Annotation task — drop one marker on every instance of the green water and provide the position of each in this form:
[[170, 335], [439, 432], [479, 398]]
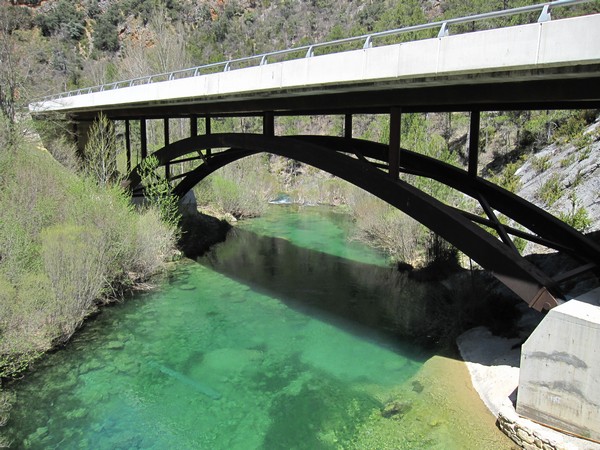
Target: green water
[[262, 344]]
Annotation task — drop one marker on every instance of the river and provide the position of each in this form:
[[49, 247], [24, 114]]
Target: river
[[270, 341]]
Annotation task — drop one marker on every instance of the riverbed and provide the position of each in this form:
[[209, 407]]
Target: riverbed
[[267, 342]]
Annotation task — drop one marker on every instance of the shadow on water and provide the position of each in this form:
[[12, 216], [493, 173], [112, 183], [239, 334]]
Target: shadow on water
[[340, 289]]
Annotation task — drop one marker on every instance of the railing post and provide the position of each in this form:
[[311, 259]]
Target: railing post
[[143, 138], [167, 140], [444, 31], [545, 15], [394, 148], [474, 143], [128, 145]]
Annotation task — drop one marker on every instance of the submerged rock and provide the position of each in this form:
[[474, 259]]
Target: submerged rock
[[396, 410]]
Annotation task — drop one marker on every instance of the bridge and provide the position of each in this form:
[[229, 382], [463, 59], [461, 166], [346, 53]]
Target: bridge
[[548, 64]]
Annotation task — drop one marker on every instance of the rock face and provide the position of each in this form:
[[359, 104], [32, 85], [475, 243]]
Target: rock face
[[563, 178]]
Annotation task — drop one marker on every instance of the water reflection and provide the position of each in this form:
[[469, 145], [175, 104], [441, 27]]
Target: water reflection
[[308, 280]]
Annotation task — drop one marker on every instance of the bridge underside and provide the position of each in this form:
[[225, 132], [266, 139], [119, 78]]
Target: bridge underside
[[375, 168]]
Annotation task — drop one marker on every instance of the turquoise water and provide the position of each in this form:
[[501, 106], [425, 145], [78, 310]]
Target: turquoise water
[[262, 344]]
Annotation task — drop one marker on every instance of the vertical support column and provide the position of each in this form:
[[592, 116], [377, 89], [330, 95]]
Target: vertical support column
[[269, 123], [128, 145], [394, 148], [208, 131], [474, 143], [167, 140], [81, 132], [193, 126], [143, 138], [348, 126]]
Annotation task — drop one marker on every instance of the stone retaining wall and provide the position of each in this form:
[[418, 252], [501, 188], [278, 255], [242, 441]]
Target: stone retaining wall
[[531, 436]]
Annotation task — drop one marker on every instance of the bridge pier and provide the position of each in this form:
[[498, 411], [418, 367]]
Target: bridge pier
[[82, 131], [559, 375]]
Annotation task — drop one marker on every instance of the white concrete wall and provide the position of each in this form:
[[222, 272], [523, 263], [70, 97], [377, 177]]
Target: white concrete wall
[[537, 46], [559, 379]]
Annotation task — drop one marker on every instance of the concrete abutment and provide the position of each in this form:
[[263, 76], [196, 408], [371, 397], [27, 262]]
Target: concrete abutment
[[559, 378]]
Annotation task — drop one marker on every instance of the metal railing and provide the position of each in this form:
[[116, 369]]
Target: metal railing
[[308, 51]]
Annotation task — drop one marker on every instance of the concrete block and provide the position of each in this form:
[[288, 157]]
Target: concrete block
[[560, 370]]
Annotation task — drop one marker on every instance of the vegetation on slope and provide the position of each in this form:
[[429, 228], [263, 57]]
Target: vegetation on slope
[[67, 244]]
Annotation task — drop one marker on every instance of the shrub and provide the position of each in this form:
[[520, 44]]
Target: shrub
[[578, 216], [541, 163], [242, 188], [387, 228], [154, 243], [100, 154], [76, 262], [508, 178], [158, 192], [64, 244], [551, 190], [63, 17], [6, 401]]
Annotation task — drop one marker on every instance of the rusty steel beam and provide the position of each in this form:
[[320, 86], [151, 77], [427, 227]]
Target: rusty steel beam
[[269, 123], [193, 126], [167, 138], [526, 280], [474, 142], [348, 126], [128, 145], [143, 138], [394, 146], [533, 218]]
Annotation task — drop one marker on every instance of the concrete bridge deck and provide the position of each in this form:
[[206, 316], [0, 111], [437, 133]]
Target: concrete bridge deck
[[554, 64]]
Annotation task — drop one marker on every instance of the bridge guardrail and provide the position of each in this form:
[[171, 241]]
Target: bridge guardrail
[[307, 51]]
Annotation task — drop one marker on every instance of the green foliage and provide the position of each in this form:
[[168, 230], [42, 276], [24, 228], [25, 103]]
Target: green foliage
[[571, 129], [551, 190], [541, 163], [578, 217], [65, 244], [100, 154], [241, 189], [567, 161], [76, 261], [6, 401], [158, 192], [63, 18], [106, 33], [508, 178], [387, 228]]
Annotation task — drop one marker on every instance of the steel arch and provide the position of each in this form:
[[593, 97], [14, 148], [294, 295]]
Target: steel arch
[[346, 158]]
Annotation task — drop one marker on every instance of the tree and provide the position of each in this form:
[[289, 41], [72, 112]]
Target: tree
[[10, 75], [158, 192], [100, 154]]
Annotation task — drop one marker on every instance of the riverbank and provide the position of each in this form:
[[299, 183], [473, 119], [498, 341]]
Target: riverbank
[[493, 365]]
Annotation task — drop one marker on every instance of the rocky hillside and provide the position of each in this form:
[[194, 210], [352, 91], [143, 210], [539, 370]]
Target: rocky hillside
[[564, 178]]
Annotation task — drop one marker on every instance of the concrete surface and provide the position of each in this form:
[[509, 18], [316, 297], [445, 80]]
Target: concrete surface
[[525, 51], [559, 380], [493, 363]]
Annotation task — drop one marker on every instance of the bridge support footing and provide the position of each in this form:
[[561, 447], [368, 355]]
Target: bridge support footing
[[560, 369]]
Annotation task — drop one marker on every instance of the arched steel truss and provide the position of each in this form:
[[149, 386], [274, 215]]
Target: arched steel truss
[[361, 162]]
